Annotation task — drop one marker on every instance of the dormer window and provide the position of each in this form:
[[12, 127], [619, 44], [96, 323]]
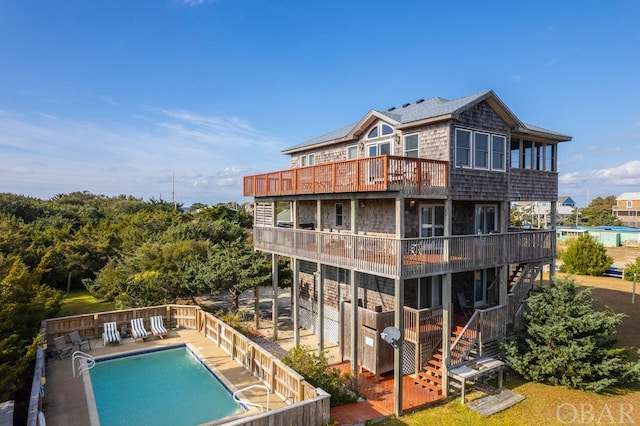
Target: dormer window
[[380, 130]]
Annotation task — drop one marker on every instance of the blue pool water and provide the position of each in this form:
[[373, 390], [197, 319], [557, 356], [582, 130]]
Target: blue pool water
[[167, 387]]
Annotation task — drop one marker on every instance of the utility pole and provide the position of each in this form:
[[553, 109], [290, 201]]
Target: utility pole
[[173, 190]]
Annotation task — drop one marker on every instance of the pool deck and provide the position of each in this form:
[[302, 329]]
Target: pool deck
[[65, 403]]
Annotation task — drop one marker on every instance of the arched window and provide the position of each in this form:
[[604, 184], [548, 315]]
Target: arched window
[[379, 130]]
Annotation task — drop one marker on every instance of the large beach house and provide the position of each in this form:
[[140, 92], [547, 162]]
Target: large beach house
[[402, 219]]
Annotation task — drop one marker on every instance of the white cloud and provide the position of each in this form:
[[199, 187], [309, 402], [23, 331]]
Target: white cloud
[[205, 156], [602, 182]]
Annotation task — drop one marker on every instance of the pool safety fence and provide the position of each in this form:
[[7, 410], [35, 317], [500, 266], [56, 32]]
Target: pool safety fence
[[306, 402]]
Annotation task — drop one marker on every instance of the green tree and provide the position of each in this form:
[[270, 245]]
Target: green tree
[[599, 212], [25, 303], [567, 342], [585, 256], [237, 267]]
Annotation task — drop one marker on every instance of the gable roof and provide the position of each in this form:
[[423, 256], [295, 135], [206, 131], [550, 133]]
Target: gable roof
[[424, 112], [632, 196]]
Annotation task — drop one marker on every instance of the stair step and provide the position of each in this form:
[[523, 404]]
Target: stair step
[[438, 356], [434, 387], [433, 371], [429, 378], [435, 363]]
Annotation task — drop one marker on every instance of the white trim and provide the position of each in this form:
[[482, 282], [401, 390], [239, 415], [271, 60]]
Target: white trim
[[503, 167], [340, 215], [347, 151], [377, 145], [487, 151], [379, 126], [469, 165], [404, 143]]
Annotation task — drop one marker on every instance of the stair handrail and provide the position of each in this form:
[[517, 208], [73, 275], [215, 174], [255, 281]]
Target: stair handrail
[[253, 404], [88, 365], [473, 321]]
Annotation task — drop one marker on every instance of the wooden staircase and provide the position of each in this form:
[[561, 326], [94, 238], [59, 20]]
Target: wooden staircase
[[431, 374], [516, 272]]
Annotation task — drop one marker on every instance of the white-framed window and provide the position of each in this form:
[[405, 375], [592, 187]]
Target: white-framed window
[[498, 150], [380, 148], [431, 221], [339, 215], [463, 148], [380, 130], [307, 160], [352, 152], [411, 145], [629, 204], [481, 150]]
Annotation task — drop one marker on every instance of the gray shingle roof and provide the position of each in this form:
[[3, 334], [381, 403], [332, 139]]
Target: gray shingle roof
[[430, 108]]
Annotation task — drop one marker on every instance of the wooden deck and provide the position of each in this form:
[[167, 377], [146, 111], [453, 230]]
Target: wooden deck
[[410, 175], [380, 393]]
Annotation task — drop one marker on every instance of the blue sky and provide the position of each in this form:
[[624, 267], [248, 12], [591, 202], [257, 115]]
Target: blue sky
[[131, 97]]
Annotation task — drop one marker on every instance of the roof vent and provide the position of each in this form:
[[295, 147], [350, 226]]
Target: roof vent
[[405, 105], [391, 109], [419, 101]]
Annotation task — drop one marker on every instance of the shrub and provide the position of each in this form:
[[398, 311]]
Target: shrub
[[586, 256], [233, 320], [314, 368], [567, 342], [632, 268]]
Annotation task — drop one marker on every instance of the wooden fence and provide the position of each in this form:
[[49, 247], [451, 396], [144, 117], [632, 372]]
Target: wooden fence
[[308, 404]]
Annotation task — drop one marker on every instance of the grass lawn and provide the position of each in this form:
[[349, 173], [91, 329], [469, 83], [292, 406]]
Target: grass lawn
[[554, 405], [79, 302]]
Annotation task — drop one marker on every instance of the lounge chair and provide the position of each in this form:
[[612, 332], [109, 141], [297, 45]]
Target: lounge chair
[[465, 307], [77, 340], [137, 329], [62, 348], [157, 328], [111, 333]]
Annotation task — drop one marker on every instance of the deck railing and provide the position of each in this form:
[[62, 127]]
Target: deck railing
[[518, 293], [410, 175], [492, 323], [310, 403], [407, 257]]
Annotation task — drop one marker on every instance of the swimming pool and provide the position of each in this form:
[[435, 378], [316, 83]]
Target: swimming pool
[[161, 387]]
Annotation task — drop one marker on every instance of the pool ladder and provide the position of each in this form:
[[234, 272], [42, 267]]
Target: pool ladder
[[82, 366], [253, 404]]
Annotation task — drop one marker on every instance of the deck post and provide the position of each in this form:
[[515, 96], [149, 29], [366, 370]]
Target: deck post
[[296, 301], [318, 277], [397, 350], [446, 331], [274, 301], [354, 325]]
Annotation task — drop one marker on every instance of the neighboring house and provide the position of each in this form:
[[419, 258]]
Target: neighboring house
[[538, 213], [627, 209], [406, 217]]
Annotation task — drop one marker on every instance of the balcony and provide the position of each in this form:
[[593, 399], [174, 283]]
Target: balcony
[[406, 257], [413, 176]]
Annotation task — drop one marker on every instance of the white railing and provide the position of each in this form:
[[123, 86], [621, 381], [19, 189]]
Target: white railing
[[82, 367], [252, 404]]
